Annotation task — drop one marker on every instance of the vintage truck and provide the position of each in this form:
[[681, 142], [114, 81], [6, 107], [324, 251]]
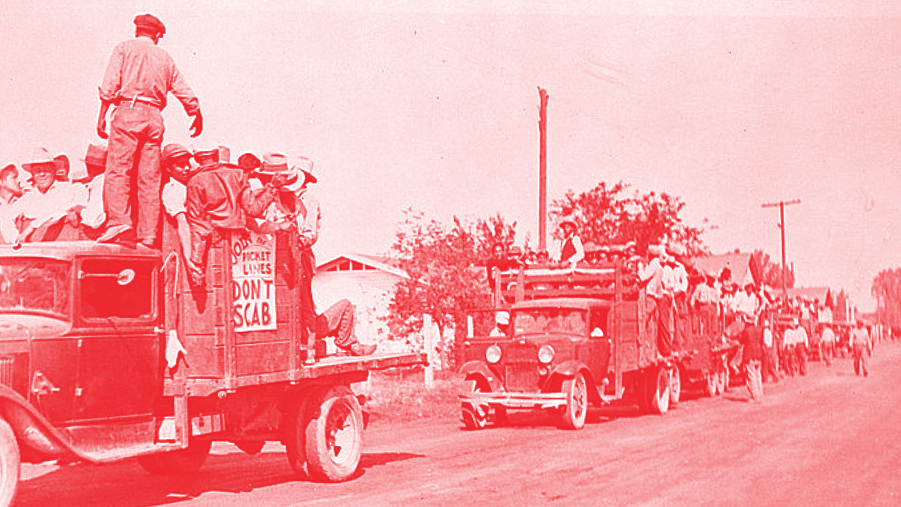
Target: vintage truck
[[107, 352], [578, 337]]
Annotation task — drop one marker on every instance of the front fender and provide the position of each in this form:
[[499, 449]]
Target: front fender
[[38, 439], [569, 368], [476, 370]]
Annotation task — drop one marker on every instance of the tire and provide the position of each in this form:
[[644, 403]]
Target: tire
[[474, 417], [10, 463], [710, 384], [295, 433], [658, 391], [181, 462], [334, 435], [675, 386], [576, 391]]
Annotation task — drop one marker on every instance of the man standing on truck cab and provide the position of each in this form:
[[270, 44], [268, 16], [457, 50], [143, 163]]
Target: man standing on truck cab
[[138, 79]]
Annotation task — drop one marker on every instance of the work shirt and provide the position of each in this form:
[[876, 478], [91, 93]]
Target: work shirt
[[219, 196], [653, 275], [173, 196], [860, 338], [827, 336], [308, 219], [51, 205], [675, 278], [705, 294], [140, 68], [572, 250]]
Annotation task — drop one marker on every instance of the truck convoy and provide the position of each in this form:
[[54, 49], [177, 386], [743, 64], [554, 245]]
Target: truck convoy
[[578, 337], [107, 352]]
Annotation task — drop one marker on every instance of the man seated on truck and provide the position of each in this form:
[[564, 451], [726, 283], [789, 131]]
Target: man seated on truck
[[177, 167], [219, 197], [650, 276]]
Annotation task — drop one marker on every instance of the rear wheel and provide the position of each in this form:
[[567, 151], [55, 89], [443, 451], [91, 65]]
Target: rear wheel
[[334, 435], [710, 386], [181, 462], [295, 433], [576, 391], [9, 464], [675, 386], [658, 383]]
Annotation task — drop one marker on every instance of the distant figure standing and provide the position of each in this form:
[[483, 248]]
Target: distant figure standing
[[862, 347], [137, 81], [571, 250], [752, 356]]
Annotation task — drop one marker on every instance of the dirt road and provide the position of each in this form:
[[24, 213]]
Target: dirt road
[[830, 438]]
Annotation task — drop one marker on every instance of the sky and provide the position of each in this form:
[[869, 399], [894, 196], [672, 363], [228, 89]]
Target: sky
[[433, 105]]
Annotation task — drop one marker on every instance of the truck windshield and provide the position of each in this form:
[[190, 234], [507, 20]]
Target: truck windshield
[[549, 320], [29, 285]]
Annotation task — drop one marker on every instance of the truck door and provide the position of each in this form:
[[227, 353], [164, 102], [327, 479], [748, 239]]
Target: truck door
[[120, 355], [600, 341]]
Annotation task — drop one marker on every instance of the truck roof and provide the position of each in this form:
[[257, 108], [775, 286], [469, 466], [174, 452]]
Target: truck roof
[[581, 303], [68, 250]]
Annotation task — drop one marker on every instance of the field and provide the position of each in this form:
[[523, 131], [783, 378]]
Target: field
[[401, 395]]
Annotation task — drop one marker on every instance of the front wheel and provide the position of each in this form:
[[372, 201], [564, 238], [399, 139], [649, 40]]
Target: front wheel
[[9, 464], [334, 435], [181, 462], [576, 391], [475, 416]]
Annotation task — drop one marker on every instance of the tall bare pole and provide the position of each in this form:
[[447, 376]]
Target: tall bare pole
[[542, 171], [782, 205]]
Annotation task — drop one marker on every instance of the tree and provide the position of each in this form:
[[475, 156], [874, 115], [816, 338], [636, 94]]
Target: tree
[[611, 215], [767, 272], [886, 289], [444, 278], [495, 230]]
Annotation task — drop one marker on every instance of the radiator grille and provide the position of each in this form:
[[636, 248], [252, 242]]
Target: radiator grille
[[6, 371]]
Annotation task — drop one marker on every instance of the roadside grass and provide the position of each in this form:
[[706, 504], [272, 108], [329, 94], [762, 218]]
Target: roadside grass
[[401, 395]]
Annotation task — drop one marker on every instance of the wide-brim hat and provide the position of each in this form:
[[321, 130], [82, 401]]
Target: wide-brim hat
[[502, 318], [274, 163], [568, 222], [304, 171], [41, 159]]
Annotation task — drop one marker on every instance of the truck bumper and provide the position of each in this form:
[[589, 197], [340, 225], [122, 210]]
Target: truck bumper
[[515, 400]]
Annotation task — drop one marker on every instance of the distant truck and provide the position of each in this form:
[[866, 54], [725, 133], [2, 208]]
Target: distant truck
[[107, 352], [577, 337]]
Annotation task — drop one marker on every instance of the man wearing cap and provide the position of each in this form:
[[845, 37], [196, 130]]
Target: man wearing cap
[[62, 167], [571, 249], [10, 192], [40, 212], [501, 325], [177, 165], [137, 81], [92, 216], [219, 197]]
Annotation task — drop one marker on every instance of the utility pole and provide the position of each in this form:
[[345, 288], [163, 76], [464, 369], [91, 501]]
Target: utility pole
[[782, 205], [542, 171]]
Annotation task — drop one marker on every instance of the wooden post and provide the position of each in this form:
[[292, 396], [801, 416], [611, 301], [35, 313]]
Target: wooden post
[[428, 342], [542, 171]]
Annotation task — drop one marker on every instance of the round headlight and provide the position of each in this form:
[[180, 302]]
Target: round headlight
[[493, 354], [546, 354]]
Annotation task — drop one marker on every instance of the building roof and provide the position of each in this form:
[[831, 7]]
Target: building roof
[[361, 262]]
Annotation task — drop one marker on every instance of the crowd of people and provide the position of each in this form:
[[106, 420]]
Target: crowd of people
[[116, 196]]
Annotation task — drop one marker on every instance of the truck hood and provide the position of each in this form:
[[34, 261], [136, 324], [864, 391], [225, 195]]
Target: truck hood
[[19, 326]]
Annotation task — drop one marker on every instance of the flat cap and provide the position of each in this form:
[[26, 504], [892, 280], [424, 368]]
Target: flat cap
[[175, 150], [150, 22]]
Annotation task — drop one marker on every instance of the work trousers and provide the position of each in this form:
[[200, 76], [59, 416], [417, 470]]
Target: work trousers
[[771, 363], [827, 352], [337, 321], [789, 360], [801, 358], [136, 133], [664, 324], [753, 380], [861, 360]]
